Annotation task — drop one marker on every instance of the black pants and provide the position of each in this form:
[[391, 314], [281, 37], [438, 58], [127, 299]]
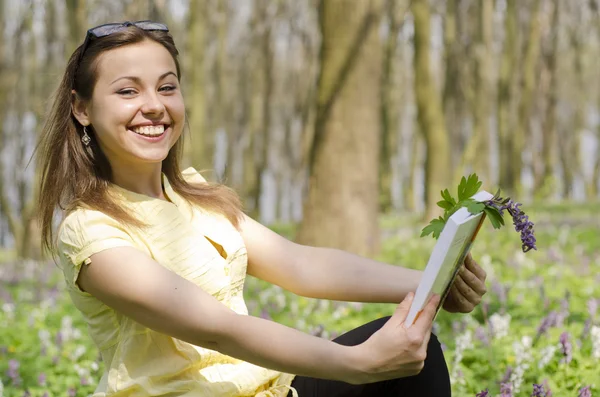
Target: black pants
[[432, 381]]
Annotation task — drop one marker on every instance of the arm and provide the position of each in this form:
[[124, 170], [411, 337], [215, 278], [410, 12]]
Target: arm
[[323, 273], [132, 283]]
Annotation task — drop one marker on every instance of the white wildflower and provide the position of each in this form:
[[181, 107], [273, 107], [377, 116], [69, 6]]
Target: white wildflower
[[500, 325], [44, 335], [66, 328], [81, 372], [94, 366], [463, 342], [523, 357], [79, 351], [595, 334], [1, 388], [76, 333], [546, 355]]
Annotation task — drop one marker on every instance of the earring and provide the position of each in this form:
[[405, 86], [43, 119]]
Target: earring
[[85, 138]]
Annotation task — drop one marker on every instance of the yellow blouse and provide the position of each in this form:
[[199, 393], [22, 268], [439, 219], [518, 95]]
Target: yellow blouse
[[201, 246]]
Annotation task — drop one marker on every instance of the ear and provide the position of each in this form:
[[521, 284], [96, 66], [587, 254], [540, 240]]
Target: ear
[[79, 109]]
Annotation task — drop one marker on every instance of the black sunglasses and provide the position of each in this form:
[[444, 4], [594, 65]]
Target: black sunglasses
[[110, 28]]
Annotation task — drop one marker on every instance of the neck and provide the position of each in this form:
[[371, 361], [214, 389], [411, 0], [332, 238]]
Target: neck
[[144, 179]]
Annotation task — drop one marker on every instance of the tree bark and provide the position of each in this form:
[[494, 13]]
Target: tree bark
[[544, 180], [430, 114], [341, 209], [390, 105], [477, 151], [506, 89], [529, 80], [77, 21], [199, 153]]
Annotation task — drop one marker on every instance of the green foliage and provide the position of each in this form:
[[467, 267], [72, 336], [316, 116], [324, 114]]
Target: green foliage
[[466, 189], [525, 287]]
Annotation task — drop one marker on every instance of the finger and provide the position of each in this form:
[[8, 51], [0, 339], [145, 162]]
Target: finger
[[404, 307], [466, 291], [474, 268], [425, 320], [474, 282]]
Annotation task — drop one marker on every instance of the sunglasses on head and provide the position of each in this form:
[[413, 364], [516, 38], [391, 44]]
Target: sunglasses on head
[[110, 28]]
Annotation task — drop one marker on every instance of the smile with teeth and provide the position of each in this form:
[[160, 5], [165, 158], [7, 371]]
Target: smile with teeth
[[149, 130]]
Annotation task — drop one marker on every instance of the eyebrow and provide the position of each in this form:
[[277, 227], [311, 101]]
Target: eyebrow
[[138, 80]]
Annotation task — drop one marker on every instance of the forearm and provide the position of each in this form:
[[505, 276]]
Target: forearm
[[275, 346], [339, 275]]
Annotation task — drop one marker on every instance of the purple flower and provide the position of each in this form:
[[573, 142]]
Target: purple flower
[[483, 393], [42, 379], [521, 221], [13, 372], [585, 391], [538, 391], [506, 390], [72, 392], [566, 348]]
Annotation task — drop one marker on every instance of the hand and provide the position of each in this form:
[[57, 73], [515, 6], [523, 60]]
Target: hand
[[395, 351], [468, 288]]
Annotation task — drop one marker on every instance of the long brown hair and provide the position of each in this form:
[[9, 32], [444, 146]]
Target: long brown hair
[[74, 176]]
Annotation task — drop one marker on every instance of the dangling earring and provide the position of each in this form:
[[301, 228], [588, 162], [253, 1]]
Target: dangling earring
[[85, 138]]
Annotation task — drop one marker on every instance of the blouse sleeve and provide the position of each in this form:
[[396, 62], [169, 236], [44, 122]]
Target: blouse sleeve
[[84, 233]]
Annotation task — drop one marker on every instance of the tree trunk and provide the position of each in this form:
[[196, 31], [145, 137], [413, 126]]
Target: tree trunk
[[430, 114], [199, 155], [523, 128], [544, 180], [506, 89], [477, 151], [390, 105], [77, 20], [454, 95], [341, 209]]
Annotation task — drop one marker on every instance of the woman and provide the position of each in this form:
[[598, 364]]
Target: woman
[[155, 258]]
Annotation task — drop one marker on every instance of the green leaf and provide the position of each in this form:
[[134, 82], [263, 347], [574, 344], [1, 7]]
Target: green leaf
[[475, 207], [448, 197], [468, 187], [494, 217], [445, 205], [435, 226]]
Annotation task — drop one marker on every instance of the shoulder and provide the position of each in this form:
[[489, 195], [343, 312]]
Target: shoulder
[[86, 231]]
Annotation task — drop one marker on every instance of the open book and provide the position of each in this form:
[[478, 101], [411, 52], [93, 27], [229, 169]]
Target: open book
[[449, 252]]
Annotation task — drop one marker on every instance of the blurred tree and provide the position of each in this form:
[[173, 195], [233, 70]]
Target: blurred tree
[[456, 72], [506, 93], [261, 91], [570, 135], [430, 114], [477, 151], [390, 102], [522, 133], [198, 149], [77, 23], [544, 182], [342, 204]]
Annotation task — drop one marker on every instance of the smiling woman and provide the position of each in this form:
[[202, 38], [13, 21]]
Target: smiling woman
[[155, 258]]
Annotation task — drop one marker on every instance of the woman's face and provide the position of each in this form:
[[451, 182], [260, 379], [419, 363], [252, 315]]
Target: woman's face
[[136, 110]]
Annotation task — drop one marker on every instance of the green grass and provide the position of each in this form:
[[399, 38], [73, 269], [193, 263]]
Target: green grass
[[562, 276]]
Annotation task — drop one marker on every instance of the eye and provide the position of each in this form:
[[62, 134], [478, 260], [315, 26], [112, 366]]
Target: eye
[[127, 91], [168, 88]]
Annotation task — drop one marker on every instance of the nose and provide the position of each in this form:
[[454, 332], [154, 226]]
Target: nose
[[152, 104]]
